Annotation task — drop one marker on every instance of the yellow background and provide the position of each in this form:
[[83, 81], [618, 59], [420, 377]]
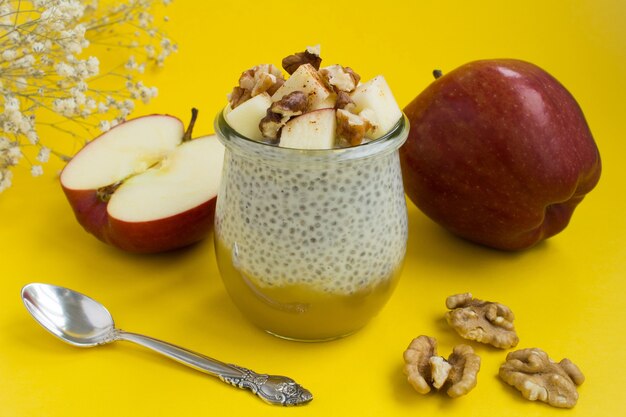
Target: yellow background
[[568, 294]]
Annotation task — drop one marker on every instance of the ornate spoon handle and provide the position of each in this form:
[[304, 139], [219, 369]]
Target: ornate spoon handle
[[273, 389]]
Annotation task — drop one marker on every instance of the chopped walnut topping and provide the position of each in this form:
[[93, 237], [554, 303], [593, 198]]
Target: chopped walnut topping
[[310, 56], [279, 113], [314, 49], [425, 370], [482, 321], [340, 78], [351, 127], [293, 104], [344, 101], [271, 124], [238, 96], [538, 377], [257, 80]]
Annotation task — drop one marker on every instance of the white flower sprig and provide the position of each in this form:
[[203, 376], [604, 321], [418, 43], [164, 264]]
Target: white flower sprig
[[44, 69]]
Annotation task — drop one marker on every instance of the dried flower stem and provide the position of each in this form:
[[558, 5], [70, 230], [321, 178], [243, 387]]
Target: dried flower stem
[[48, 80]]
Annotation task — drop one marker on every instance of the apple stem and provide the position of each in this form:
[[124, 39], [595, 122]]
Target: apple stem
[[192, 122], [104, 193], [437, 73]]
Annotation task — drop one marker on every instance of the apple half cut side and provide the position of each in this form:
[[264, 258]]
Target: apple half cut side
[[145, 186]]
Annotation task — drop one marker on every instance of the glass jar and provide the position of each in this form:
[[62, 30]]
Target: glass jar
[[310, 243]]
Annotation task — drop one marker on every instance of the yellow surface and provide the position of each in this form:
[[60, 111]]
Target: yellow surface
[[568, 294]]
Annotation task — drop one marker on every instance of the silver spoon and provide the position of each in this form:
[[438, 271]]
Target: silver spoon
[[82, 321]]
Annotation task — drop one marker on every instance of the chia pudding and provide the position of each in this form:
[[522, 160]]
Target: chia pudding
[[310, 244], [311, 223]]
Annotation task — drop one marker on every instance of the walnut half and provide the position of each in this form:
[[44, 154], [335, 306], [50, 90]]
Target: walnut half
[[482, 321], [425, 369], [538, 377]]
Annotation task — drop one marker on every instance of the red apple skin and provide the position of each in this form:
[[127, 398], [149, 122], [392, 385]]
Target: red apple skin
[[154, 236], [499, 153]]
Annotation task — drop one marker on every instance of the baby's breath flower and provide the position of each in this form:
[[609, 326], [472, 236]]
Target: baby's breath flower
[[11, 104], [93, 65], [44, 155], [36, 170], [21, 83], [104, 125], [25, 61], [32, 137], [65, 70], [38, 47], [5, 179], [9, 54]]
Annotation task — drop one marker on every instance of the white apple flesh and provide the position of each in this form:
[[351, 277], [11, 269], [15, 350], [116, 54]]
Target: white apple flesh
[[140, 187], [374, 101], [312, 130], [245, 118], [309, 81]]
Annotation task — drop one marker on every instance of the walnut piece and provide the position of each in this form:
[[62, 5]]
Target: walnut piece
[[293, 104], [340, 78], [537, 377], [425, 369], [310, 56], [271, 124], [351, 127], [259, 79], [279, 113], [482, 321], [344, 101]]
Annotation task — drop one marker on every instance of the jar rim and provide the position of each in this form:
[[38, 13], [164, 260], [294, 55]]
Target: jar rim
[[389, 142]]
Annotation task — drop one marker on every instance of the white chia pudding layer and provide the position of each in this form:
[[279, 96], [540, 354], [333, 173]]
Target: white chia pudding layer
[[339, 227]]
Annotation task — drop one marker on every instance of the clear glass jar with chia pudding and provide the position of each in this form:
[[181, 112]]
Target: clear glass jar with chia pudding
[[310, 243]]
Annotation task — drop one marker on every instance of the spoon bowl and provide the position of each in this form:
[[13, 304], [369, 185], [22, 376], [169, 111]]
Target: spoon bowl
[[72, 317], [82, 321]]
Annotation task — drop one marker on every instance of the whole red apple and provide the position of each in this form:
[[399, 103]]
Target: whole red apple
[[145, 186], [499, 153]]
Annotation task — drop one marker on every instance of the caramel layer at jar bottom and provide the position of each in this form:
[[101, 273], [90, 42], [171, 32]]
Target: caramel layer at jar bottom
[[298, 311]]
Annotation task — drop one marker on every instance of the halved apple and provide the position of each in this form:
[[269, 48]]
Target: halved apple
[[145, 186]]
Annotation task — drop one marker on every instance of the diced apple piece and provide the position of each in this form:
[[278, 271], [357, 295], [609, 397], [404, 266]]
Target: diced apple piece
[[327, 103], [313, 130], [375, 100], [245, 118], [308, 80]]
